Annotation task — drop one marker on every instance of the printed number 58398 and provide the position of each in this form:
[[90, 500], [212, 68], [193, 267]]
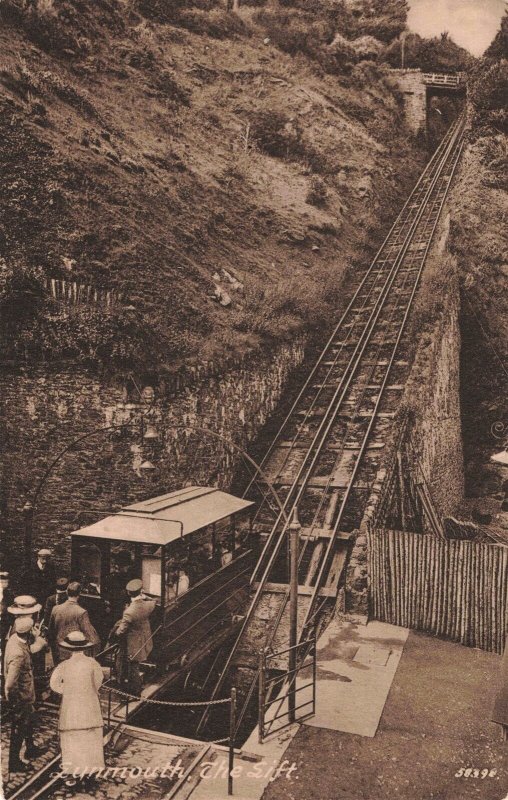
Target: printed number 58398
[[470, 772]]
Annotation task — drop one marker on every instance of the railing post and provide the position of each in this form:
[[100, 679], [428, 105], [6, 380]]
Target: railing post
[[314, 670], [294, 531], [109, 708], [262, 693], [232, 732]]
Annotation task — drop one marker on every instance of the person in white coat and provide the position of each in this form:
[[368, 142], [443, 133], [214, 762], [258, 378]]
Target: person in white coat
[[78, 680]]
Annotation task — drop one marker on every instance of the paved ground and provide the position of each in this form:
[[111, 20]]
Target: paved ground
[[435, 723]]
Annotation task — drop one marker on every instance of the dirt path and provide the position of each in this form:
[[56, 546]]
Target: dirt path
[[435, 722]]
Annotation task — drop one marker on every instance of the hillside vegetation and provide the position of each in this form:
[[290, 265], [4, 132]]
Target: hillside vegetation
[[219, 173], [480, 244]]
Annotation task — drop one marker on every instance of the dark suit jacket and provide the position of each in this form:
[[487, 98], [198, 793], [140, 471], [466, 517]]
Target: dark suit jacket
[[41, 583], [67, 617]]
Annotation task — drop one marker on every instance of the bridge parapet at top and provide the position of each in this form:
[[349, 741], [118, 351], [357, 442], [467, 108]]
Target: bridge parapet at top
[[446, 80], [442, 79]]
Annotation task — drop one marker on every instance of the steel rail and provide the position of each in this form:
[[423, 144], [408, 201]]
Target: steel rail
[[406, 207], [343, 385], [454, 152], [428, 180], [357, 320], [346, 376], [394, 311]]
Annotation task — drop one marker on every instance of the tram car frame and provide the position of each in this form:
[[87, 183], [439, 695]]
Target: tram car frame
[[198, 537]]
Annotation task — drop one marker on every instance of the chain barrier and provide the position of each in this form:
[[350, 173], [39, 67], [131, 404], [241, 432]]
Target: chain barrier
[[165, 702]]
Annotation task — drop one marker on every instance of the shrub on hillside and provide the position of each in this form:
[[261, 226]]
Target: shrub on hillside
[[280, 310], [488, 97], [167, 85], [295, 33], [276, 135], [45, 28], [318, 193], [160, 10], [218, 24]]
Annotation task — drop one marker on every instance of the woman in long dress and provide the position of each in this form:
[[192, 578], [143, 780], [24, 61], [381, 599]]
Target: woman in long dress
[[500, 710], [78, 680]]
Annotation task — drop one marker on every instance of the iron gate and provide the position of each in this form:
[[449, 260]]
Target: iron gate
[[280, 696]]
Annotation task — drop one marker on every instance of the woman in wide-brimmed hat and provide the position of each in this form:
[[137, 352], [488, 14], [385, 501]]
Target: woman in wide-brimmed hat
[[27, 606], [78, 680], [24, 605]]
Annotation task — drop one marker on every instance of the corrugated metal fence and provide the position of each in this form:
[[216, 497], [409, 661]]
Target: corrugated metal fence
[[454, 589]]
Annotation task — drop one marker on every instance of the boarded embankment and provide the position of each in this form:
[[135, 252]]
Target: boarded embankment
[[453, 589]]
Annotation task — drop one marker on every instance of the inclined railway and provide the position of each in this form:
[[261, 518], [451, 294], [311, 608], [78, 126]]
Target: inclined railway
[[323, 459]]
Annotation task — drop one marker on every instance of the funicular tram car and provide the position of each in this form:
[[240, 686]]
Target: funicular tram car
[[192, 549]]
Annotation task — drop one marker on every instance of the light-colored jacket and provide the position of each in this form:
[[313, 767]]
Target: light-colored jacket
[[135, 626], [67, 617], [78, 680], [19, 675]]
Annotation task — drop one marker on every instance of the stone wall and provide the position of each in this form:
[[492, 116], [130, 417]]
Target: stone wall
[[44, 412], [429, 414], [414, 92], [432, 395]]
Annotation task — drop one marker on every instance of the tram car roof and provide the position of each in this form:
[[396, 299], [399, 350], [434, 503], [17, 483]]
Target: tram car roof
[[166, 518]]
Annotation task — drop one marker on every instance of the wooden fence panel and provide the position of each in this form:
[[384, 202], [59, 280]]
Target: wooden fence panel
[[455, 589]]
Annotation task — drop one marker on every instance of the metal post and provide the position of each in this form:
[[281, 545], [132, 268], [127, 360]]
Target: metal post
[[28, 515], [232, 732], [403, 519], [294, 533], [214, 545], [109, 709], [262, 694], [233, 536], [403, 49]]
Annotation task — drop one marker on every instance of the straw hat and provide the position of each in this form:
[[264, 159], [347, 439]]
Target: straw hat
[[75, 640], [23, 624], [24, 604]]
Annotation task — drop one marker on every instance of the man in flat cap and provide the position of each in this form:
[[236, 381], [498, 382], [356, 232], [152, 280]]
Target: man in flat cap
[[70, 616], [135, 634], [56, 599], [42, 577], [20, 692]]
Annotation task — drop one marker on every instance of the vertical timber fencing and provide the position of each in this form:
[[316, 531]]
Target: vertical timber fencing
[[454, 589]]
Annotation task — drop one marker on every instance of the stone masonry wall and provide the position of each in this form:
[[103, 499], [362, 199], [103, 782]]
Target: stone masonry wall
[[431, 404], [414, 92], [42, 413]]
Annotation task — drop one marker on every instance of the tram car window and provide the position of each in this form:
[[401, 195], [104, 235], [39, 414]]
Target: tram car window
[[89, 569], [184, 547]]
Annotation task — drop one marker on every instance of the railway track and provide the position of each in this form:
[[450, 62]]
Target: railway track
[[325, 456]]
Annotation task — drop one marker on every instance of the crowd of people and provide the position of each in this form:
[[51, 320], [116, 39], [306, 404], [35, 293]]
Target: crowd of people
[[49, 627]]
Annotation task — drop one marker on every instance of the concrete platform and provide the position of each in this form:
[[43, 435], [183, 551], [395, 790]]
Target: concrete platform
[[356, 667]]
